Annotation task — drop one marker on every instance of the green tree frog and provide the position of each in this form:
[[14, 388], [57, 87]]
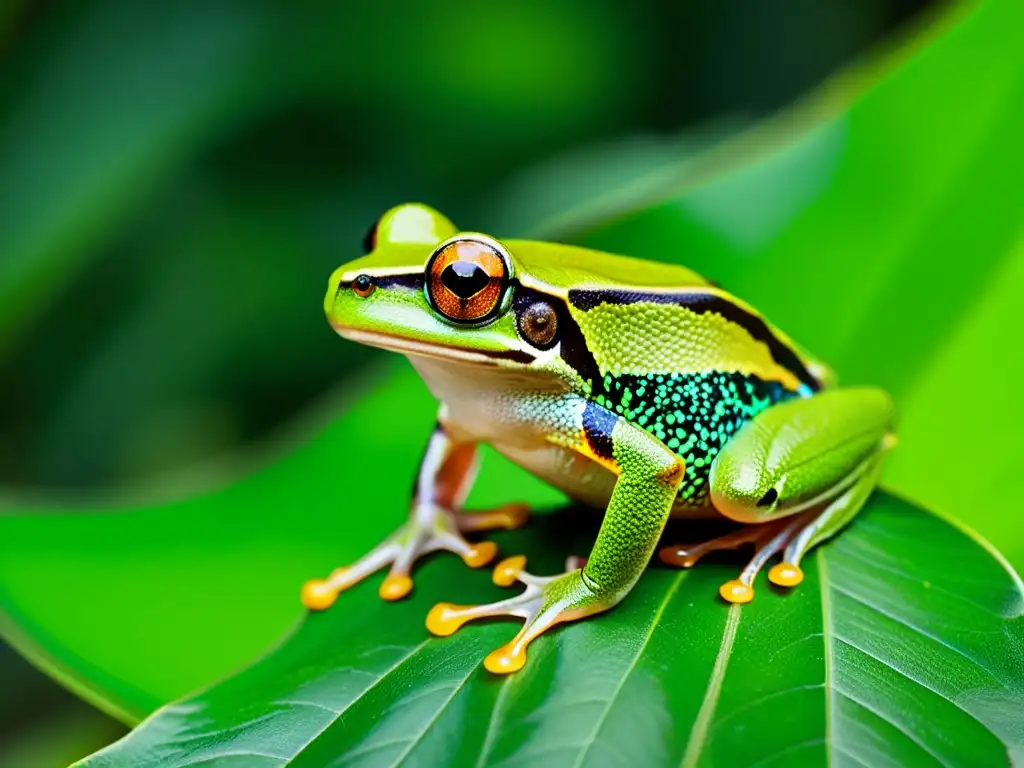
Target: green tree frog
[[635, 386]]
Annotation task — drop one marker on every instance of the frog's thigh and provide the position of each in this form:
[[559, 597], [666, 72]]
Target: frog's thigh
[[800, 453], [799, 472]]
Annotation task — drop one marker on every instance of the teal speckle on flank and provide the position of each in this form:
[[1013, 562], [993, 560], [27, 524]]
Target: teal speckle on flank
[[693, 414]]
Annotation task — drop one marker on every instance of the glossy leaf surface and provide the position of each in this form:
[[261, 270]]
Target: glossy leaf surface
[[902, 647]]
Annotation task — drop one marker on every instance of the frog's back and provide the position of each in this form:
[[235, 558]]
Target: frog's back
[[640, 317], [668, 350], [553, 264]]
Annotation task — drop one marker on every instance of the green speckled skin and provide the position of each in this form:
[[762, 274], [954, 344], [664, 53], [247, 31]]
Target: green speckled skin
[[642, 387], [695, 415]]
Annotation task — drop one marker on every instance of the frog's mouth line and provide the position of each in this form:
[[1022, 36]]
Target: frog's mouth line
[[431, 349]]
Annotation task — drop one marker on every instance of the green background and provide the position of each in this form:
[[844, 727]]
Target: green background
[[177, 181]]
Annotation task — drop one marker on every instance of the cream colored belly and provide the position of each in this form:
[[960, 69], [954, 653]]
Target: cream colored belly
[[515, 415]]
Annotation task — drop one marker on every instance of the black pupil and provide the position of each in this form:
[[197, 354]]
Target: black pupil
[[464, 278], [363, 283]]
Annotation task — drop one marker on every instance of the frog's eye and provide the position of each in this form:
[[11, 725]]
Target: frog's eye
[[466, 279], [538, 324]]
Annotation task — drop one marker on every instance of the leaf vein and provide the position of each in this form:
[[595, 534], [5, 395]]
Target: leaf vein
[[311, 704], [423, 732], [849, 696], [849, 754], [599, 723], [767, 697], [702, 723], [879, 565], [379, 680], [492, 723], [787, 751], [923, 632]]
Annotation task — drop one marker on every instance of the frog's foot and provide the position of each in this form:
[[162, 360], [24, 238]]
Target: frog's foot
[[506, 518], [769, 539], [428, 530], [545, 602]]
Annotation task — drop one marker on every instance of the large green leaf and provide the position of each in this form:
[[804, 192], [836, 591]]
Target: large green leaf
[[914, 649], [903, 647]]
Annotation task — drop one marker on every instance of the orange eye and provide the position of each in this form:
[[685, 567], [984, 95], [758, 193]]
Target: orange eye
[[466, 279]]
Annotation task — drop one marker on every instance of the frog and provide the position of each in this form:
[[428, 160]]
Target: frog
[[632, 385]]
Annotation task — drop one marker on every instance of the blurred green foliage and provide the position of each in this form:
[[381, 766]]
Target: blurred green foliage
[[177, 180]]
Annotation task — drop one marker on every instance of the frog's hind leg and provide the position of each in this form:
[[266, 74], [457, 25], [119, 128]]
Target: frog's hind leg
[[796, 474], [435, 524], [791, 536], [688, 555], [768, 539], [820, 527]]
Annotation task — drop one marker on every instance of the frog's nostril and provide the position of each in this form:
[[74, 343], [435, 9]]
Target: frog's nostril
[[769, 498], [464, 278]]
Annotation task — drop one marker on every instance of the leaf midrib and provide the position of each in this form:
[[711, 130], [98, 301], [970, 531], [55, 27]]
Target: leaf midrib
[[440, 710], [338, 713], [831, 636]]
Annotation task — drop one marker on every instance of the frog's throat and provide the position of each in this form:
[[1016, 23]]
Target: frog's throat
[[407, 346]]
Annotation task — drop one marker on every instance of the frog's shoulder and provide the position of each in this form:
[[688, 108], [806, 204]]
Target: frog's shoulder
[[554, 268]]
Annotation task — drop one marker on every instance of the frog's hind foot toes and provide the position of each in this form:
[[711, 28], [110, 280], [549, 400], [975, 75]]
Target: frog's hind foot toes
[[401, 551], [544, 603], [688, 555], [769, 539], [785, 574]]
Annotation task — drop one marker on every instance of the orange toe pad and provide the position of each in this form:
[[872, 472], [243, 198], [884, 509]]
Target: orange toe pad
[[445, 619], [736, 591], [395, 587], [318, 595], [480, 554], [505, 660], [508, 570], [786, 575]]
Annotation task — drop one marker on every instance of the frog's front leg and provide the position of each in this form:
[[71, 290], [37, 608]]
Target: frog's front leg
[[797, 473], [649, 476], [445, 476]]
